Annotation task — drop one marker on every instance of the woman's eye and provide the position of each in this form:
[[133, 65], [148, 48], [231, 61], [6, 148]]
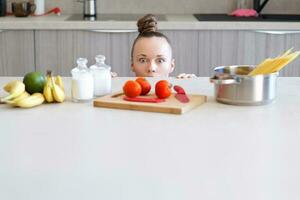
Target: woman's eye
[[161, 60], [142, 60]]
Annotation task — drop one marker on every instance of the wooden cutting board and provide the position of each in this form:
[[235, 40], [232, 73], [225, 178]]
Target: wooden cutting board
[[171, 105]]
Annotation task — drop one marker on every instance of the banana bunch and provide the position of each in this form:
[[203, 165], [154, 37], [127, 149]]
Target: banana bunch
[[14, 88], [19, 97], [54, 90], [29, 101]]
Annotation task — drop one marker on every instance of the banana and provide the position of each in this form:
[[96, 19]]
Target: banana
[[15, 88], [31, 101], [48, 90], [57, 88], [9, 85], [59, 82], [58, 93], [14, 101]]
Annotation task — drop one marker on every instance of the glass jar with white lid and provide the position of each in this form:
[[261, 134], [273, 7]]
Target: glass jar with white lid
[[82, 82], [102, 76]]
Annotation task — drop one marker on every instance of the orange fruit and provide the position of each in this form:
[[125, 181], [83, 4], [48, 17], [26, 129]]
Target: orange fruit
[[146, 87], [163, 89], [132, 89]]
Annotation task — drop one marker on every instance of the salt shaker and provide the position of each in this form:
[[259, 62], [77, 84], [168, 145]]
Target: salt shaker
[[82, 82], [102, 76]]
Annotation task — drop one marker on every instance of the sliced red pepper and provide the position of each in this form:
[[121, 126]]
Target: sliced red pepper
[[181, 95], [179, 89], [144, 100]]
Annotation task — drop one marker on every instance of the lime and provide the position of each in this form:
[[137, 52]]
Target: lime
[[34, 82]]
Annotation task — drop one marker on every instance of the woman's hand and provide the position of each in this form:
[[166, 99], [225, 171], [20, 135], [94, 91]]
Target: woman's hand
[[184, 75]]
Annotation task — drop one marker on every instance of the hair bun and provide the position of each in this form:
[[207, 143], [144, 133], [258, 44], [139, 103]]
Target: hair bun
[[148, 23]]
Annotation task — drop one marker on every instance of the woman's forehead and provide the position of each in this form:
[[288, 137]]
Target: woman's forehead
[[145, 55], [153, 46]]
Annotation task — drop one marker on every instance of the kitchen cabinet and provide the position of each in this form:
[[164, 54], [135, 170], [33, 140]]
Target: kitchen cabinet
[[195, 51], [16, 52], [58, 50], [217, 48], [185, 51], [245, 47], [280, 41]]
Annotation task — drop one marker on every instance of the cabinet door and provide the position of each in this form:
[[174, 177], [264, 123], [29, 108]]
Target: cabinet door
[[293, 69], [16, 52], [280, 41], [58, 50], [218, 48], [54, 51], [221, 48], [185, 51]]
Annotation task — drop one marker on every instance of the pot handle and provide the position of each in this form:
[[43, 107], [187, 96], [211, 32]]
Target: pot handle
[[225, 81]]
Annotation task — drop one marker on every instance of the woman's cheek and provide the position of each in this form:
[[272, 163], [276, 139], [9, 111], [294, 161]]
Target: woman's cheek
[[165, 68], [140, 70]]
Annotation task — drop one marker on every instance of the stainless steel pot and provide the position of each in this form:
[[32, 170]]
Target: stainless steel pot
[[233, 86]]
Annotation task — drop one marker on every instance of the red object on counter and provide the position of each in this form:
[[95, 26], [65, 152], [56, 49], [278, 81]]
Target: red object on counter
[[179, 89], [55, 10], [144, 100], [244, 13], [181, 95]]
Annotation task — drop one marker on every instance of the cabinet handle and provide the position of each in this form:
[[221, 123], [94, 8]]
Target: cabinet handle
[[114, 31], [278, 32]]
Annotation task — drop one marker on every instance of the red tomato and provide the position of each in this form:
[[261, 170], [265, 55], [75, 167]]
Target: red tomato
[[146, 87], [132, 89], [163, 89]]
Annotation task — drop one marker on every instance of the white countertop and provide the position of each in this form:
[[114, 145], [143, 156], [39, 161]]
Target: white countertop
[[174, 22], [73, 151]]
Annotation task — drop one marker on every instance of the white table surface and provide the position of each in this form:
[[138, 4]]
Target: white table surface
[[214, 152]]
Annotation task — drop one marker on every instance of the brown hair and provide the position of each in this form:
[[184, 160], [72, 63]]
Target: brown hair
[[147, 27]]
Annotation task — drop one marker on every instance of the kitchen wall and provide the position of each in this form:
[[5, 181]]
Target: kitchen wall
[[170, 6]]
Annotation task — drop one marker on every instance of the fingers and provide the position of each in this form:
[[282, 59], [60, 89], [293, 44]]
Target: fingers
[[180, 76], [113, 74], [184, 75]]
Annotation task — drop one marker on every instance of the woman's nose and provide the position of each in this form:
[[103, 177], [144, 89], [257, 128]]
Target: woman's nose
[[151, 70], [152, 67]]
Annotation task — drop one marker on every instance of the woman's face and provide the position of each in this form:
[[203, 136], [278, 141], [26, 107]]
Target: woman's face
[[152, 57]]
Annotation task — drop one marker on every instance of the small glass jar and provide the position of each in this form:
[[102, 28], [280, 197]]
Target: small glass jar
[[82, 82], [102, 76]]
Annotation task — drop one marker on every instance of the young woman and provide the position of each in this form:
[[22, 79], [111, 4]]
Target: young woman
[[151, 53]]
